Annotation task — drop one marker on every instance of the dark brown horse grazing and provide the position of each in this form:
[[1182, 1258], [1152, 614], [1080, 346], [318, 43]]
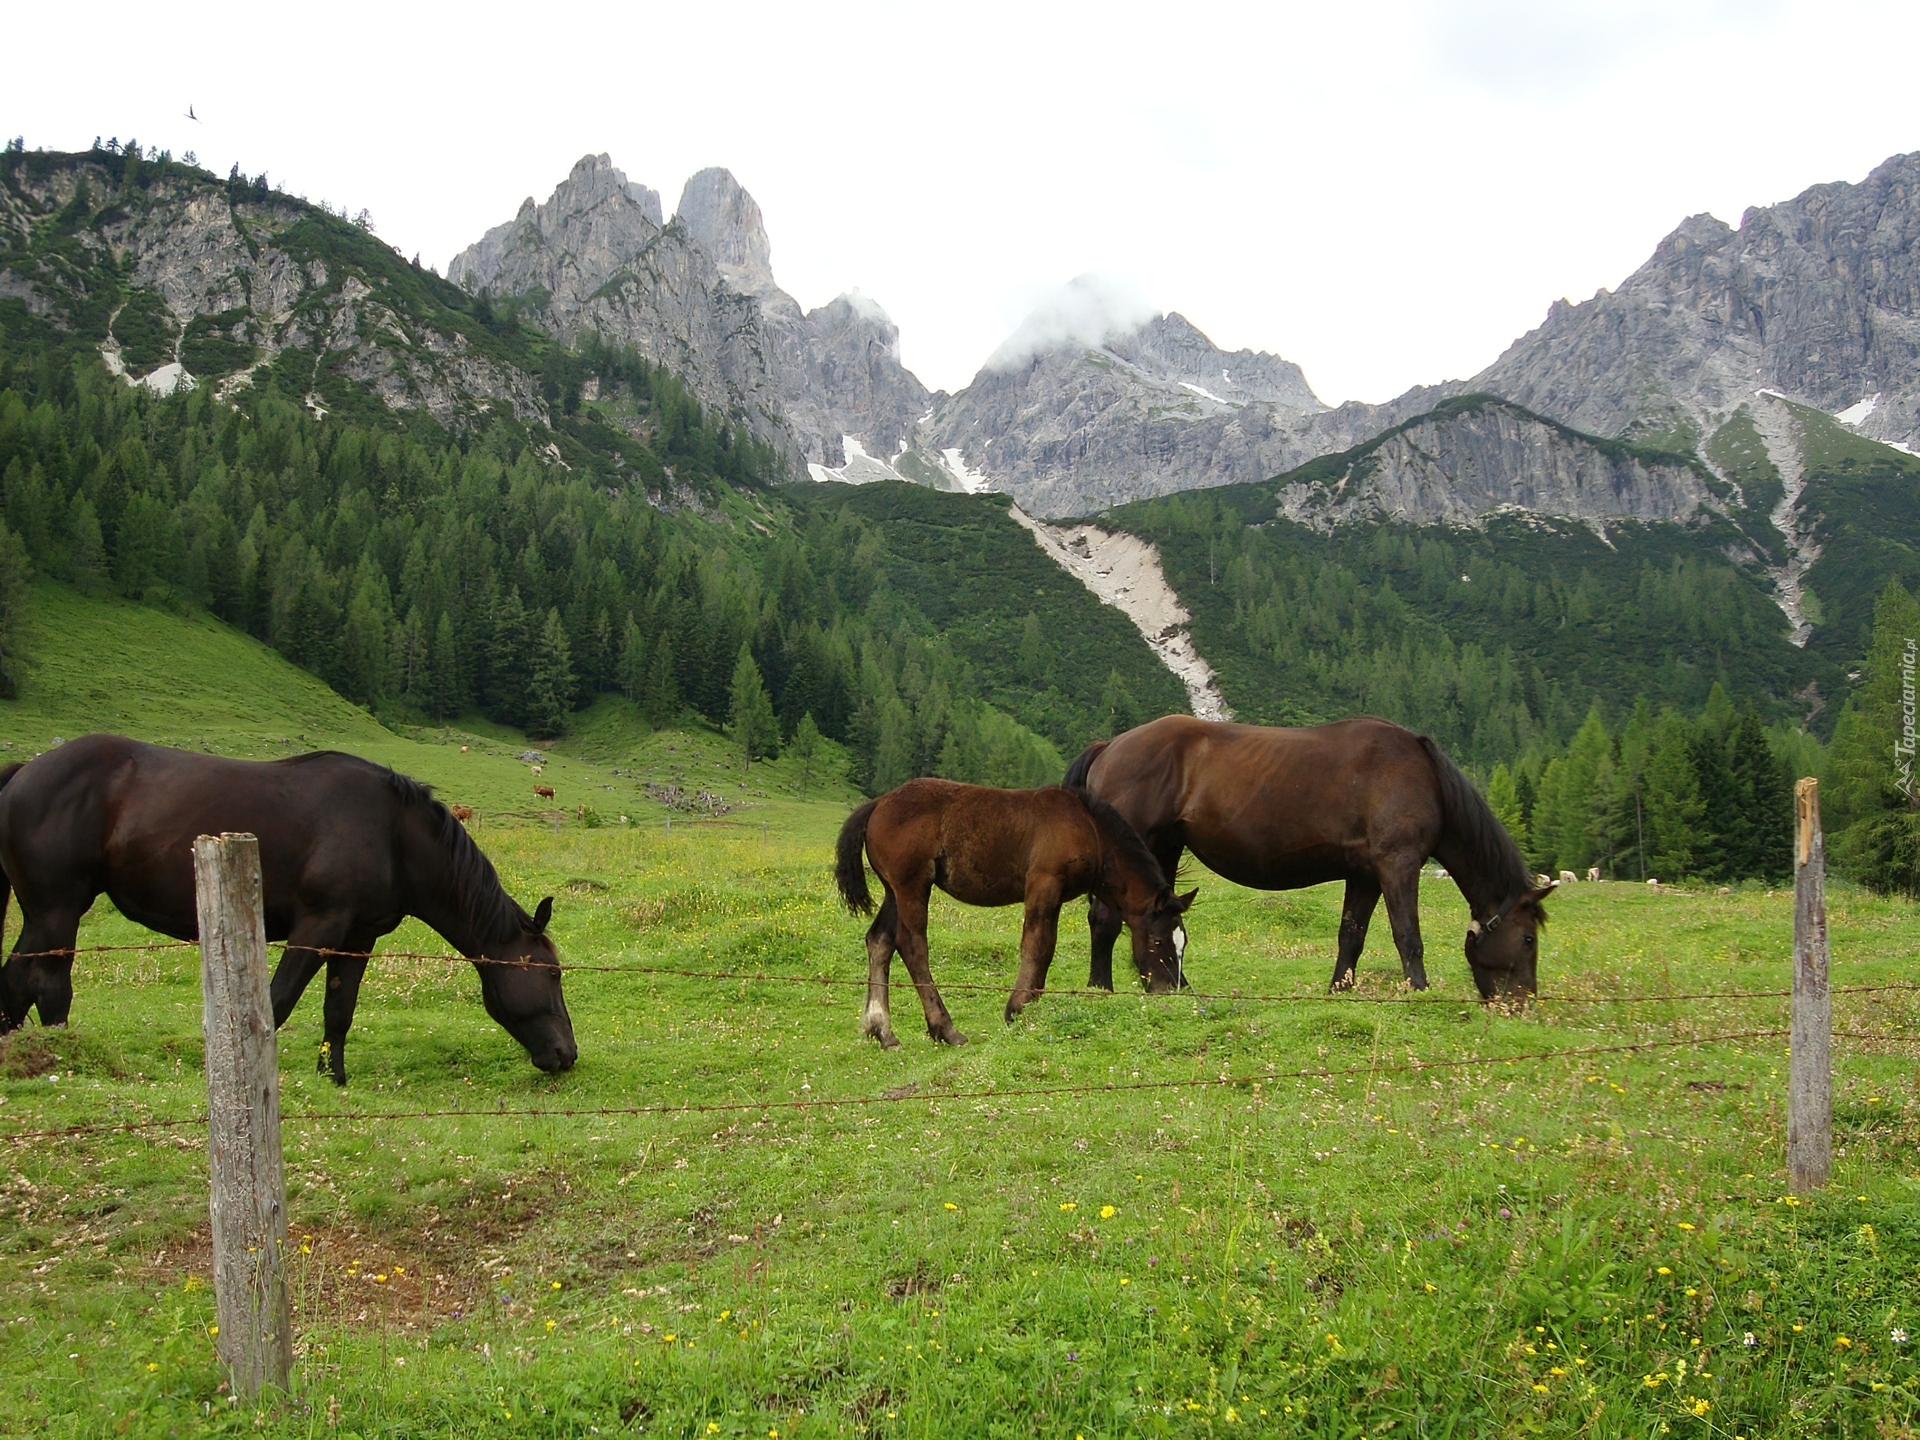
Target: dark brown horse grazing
[[999, 847], [347, 850], [1362, 801]]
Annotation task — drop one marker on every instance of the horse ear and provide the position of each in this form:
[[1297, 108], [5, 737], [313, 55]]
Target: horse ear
[[1181, 902], [542, 915], [1545, 890]]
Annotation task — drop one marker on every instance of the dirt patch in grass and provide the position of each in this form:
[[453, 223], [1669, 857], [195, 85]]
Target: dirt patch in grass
[[346, 1278]]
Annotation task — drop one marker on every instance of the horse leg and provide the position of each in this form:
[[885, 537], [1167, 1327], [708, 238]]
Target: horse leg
[[913, 950], [343, 993], [1104, 925], [881, 943], [1037, 938], [1363, 893], [1402, 889], [36, 978]]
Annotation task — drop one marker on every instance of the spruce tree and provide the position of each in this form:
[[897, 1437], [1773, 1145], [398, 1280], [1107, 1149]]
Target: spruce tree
[[444, 669], [805, 747], [15, 571], [660, 701], [1672, 800], [750, 711], [630, 674], [1765, 795], [550, 679], [508, 659]]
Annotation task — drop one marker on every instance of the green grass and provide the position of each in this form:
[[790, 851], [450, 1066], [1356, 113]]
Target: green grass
[[1497, 1250]]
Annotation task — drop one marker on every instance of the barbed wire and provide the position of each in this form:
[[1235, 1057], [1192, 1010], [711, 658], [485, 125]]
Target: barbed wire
[[895, 1098], [1343, 996]]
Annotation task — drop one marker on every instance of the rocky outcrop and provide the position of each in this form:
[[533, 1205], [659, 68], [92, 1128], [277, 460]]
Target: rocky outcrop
[[1817, 297], [229, 279], [1157, 407], [1477, 456], [698, 296]]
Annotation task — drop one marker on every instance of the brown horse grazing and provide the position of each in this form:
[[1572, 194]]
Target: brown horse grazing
[[347, 850], [1361, 800], [999, 847]]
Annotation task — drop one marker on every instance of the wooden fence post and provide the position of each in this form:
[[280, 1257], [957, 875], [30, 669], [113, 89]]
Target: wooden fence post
[[255, 1337], [1810, 1064]]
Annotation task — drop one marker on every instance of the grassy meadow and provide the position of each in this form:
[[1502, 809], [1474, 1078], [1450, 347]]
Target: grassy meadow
[[1598, 1245]]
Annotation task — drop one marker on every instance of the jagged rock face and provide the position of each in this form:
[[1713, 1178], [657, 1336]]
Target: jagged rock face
[[726, 221], [1169, 347], [248, 271], [698, 296], [1457, 466], [1153, 410], [568, 246], [843, 364], [1818, 297]]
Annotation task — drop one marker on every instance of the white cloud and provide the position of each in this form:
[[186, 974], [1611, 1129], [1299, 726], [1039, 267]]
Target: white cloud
[[1088, 310]]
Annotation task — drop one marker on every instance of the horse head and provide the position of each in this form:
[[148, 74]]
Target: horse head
[[521, 990], [1160, 940], [1504, 951]]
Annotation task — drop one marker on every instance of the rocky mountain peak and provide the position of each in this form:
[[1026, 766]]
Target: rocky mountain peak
[[594, 220], [725, 220], [1171, 347]]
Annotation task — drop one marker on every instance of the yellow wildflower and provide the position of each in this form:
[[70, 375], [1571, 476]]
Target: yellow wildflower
[[1107, 1212]]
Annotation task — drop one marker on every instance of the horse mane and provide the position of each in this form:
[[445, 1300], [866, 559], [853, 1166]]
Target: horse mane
[[1076, 776], [477, 891], [1117, 833], [1486, 850], [479, 897]]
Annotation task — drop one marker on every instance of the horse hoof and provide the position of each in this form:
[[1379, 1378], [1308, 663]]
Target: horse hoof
[[888, 1042], [950, 1037]]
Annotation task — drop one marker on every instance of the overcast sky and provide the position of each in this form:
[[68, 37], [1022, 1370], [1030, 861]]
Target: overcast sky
[[1387, 193]]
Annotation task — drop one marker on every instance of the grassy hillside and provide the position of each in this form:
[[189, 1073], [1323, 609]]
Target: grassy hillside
[[102, 663]]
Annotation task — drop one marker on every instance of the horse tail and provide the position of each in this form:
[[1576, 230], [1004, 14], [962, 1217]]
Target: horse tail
[[849, 870], [1076, 776], [6, 885]]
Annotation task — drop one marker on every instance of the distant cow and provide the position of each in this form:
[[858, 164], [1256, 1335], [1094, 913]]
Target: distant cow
[[1567, 877], [545, 792], [462, 813], [1593, 874]]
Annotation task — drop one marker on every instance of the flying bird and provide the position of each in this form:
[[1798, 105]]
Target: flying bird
[[193, 117]]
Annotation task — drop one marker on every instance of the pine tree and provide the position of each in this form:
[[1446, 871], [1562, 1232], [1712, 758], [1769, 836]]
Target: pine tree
[[1764, 794], [508, 661], [630, 674], [1033, 650], [1721, 837], [15, 571], [1672, 800], [1871, 805], [1117, 709], [550, 681], [805, 746], [660, 701], [444, 668], [1503, 800], [750, 711]]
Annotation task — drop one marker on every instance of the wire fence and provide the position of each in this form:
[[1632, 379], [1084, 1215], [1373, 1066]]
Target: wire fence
[[1249, 1079], [1335, 997]]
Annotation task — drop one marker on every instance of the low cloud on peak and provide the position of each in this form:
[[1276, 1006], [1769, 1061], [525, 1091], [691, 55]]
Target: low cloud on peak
[[1088, 310]]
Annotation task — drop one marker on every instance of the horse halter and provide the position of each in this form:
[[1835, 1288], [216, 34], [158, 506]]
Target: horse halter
[[1477, 928]]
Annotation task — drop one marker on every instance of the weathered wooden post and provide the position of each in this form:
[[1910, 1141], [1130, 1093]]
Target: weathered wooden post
[[1810, 1064], [255, 1336]]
